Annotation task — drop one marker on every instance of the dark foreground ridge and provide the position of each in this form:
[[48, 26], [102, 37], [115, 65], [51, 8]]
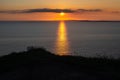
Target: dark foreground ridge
[[39, 64]]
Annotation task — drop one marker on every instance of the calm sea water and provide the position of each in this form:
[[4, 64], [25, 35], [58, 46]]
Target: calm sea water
[[62, 38]]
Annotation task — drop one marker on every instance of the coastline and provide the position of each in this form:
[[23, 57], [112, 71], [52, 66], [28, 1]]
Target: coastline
[[40, 64]]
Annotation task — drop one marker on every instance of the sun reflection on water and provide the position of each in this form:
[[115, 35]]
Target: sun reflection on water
[[62, 45]]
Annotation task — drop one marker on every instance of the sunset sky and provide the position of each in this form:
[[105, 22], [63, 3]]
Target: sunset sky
[[51, 9]]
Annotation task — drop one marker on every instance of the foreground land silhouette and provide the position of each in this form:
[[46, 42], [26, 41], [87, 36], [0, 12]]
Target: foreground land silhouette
[[40, 64]]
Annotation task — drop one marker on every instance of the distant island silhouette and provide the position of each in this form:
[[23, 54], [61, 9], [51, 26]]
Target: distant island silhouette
[[63, 20], [40, 64]]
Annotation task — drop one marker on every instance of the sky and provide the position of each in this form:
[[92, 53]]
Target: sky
[[51, 9]]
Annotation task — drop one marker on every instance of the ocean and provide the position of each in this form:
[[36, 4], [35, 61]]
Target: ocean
[[75, 38]]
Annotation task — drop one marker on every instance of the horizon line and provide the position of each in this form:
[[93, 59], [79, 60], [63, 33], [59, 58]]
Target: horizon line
[[59, 20]]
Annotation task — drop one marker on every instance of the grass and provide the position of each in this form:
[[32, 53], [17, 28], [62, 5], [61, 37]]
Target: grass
[[40, 64]]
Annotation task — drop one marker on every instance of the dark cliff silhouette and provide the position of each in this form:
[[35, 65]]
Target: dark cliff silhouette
[[40, 64]]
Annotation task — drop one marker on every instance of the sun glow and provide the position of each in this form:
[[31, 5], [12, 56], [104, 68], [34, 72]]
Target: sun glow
[[62, 13]]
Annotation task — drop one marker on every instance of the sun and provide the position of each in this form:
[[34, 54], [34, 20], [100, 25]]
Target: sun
[[62, 13]]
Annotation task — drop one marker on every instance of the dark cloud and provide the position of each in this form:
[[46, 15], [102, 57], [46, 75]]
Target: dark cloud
[[49, 10], [11, 11], [89, 10], [40, 10], [117, 12], [52, 10]]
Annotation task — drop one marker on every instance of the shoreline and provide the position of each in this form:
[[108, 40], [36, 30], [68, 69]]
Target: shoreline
[[38, 63]]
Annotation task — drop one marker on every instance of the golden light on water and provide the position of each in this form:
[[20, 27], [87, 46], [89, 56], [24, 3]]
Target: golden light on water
[[62, 45]]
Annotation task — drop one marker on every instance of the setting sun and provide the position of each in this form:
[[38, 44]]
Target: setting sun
[[62, 13]]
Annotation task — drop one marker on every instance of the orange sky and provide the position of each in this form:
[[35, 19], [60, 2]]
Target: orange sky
[[107, 9]]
